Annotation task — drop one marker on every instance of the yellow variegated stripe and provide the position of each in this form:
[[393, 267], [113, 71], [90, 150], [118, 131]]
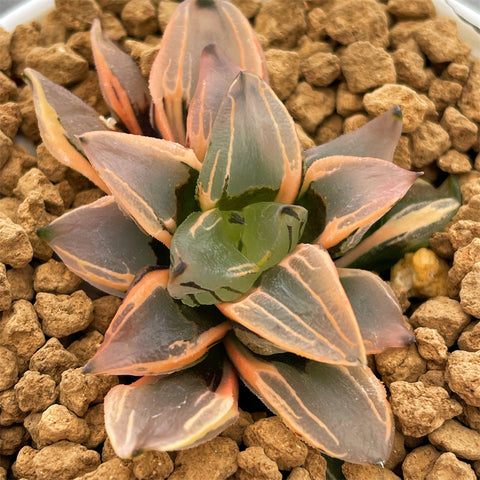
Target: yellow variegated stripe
[[401, 226], [317, 335], [94, 274], [54, 136]]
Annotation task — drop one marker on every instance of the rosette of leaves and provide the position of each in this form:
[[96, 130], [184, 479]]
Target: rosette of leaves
[[249, 287]]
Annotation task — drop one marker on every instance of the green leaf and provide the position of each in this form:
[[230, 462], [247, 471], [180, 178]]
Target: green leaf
[[62, 117], [152, 334], [173, 412], [376, 139], [341, 410], [99, 244], [334, 469], [377, 310], [146, 175], [254, 153], [123, 86], [217, 72], [372, 185], [175, 71], [300, 306], [216, 256], [407, 226]]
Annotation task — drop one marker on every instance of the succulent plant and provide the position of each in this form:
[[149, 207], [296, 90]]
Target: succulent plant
[[248, 284]]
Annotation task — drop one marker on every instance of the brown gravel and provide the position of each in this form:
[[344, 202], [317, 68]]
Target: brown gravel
[[336, 64]]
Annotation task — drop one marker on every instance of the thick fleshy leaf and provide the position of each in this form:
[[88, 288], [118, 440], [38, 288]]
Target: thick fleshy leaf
[[341, 410], [377, 310], [300, 306], [152, 334], [376, 139], [122, 84], [372, 186], [254, 153], [217, 72], [148, 177], [407, 226], [61, 118], [100, 245], [216, 256], [174, 75], [172, 412]]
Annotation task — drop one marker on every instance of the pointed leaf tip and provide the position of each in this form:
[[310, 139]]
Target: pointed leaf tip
[[254, 153], [121, 82], [175, 70]]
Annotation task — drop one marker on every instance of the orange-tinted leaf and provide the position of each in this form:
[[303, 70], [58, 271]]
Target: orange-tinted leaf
[[173, 412], [254, 153], [145, 174], [217, 72], [377, 310], [100, 245], [152, 334], [341, 410], [121, 82], [376, 139], [300, 306], [174, 75], [371, 185], [61, 118]]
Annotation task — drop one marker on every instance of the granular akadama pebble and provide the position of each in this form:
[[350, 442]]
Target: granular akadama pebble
[[85, 347], [10, 412], [21, 283], [139, 18], [414, 106], [470, 291], [419, 462], [59, 423], [8, 368], [55, 277], [63, 315], [5, 289], [469, 102], [462, 373], [278, 442], [213, 460], [366, 66], [52, 359], [309, 106], [463, 132], [444, 315], [315, 464], [463, 261], [21, 332], [404, 363], [431, 345], [152, 465], [461, 233], [12, 439], [96, 426], [429, 142], [15, 247], [253, 464], [469, 339], [64, 461], [35, 391], [114, 469], [448, 467], [454, 437], [420, 409]]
